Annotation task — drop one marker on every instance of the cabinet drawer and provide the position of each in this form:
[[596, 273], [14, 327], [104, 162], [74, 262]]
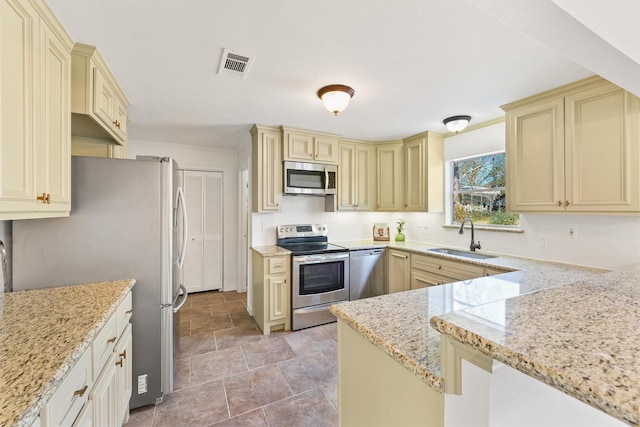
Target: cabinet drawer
[[277, 265], [453, 269], [104, 344], [71, 396], [123, 313], [423, 279]]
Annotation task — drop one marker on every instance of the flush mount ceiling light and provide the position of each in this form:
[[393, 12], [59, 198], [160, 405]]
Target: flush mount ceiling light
[[335, 97], [456, 123]]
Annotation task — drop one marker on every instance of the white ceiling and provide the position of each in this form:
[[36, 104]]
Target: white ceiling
[[411, 62]]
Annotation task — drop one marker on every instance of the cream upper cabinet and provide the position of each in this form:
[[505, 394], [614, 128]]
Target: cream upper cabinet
[[424, 172], [35, 139], [266, 174], [389, 181], [356, 176], [98, 103], [574, 149], [305, 146]]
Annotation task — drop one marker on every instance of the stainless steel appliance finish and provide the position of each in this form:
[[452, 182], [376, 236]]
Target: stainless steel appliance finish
[[126, 222], [319, 273], [310, 178], [368, 273]]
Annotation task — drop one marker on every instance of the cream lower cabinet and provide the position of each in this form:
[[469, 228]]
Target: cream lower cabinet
[[266, 169], [271, 292], [430, 271], [399, 275], [35, 115], [97, 390], [389, 177], [376, 390], [356, 176], [574, 149]]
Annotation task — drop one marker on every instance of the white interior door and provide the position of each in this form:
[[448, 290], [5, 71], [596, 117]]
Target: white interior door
[[204, 258]]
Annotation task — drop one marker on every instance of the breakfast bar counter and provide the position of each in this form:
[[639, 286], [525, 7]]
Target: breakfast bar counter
[[43, 333]]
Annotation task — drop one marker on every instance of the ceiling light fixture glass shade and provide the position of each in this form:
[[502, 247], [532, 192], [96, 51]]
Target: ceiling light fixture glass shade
[[335, 97], [456, 123]]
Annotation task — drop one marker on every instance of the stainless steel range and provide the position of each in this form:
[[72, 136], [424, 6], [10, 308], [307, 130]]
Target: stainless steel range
[[319, 273]]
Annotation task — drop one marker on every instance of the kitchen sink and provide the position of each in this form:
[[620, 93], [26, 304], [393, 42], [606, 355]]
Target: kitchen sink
[[464, 254]]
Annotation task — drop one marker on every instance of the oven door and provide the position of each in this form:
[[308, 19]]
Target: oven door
[[319, 279]]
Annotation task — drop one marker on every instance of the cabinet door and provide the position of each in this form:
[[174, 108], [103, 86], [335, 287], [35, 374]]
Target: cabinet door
[[103, 396], [399, 271], [192, 276], [54, 144], [104, 99], [18, 56], [364, 177], [389, 178], [602, 151], [267, 176], [325, 149], [299, 146], [414, 164], [535, 157], [120, 120], [347, 177], [124, 376], [278, 297]]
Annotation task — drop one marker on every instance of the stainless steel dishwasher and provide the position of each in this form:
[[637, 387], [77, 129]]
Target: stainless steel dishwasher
[[367, 273]]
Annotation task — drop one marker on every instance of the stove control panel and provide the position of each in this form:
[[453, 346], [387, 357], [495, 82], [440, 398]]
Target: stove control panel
[[301, 230]]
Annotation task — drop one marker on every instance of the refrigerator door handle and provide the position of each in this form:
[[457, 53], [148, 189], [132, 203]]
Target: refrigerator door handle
[[184, 294], [183, 208]]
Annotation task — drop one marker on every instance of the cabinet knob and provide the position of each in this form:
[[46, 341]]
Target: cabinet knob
[[559, 203], [81, 391], [119, 363], [116, 124], [128, 312], [45, 198], [111, 340], [439, 267], [566, 203], [123, 354]]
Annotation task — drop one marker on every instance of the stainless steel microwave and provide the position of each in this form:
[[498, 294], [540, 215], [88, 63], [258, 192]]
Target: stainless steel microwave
[[310, 178]]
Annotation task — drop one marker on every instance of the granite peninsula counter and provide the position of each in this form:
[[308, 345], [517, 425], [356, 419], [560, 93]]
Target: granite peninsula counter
[[43, 333], [587, 346], [399, 324]]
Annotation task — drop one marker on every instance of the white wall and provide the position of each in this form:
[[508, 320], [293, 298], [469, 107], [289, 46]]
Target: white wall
[[210, 159], [602, 241]]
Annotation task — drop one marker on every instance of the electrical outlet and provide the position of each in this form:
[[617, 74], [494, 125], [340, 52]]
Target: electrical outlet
[[265, 226], [572, 232], [142, 384], [542, 242]]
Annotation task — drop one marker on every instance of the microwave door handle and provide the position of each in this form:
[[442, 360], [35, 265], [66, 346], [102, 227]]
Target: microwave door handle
[[326, 180]]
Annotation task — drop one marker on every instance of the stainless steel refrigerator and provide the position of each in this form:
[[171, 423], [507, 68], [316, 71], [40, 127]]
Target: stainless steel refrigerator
[[127, 221]]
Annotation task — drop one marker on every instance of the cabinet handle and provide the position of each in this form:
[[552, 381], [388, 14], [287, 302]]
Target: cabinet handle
[[566, 203], [81, 392], [111, 340], [45, 198], [116, 124], [439, 267], [128, 312], [119, 363], [559, 204], [399, 256], [123, 354], [277, 265]]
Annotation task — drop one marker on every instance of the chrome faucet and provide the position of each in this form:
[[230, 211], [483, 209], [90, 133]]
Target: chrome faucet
[[474, 245]]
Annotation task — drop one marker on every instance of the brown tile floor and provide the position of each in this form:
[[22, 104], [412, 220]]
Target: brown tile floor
[[228, 374]]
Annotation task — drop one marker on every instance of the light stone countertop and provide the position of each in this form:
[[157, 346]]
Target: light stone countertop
[[271, 250], [43, 333], [582, 339], [399, 325]]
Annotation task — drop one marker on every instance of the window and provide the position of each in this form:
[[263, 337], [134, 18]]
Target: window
[[478, 190]]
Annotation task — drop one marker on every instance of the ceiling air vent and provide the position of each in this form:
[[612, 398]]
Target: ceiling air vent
[[234, 64]]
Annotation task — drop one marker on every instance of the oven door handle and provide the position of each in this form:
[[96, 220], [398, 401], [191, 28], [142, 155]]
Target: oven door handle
[[314, 259]]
